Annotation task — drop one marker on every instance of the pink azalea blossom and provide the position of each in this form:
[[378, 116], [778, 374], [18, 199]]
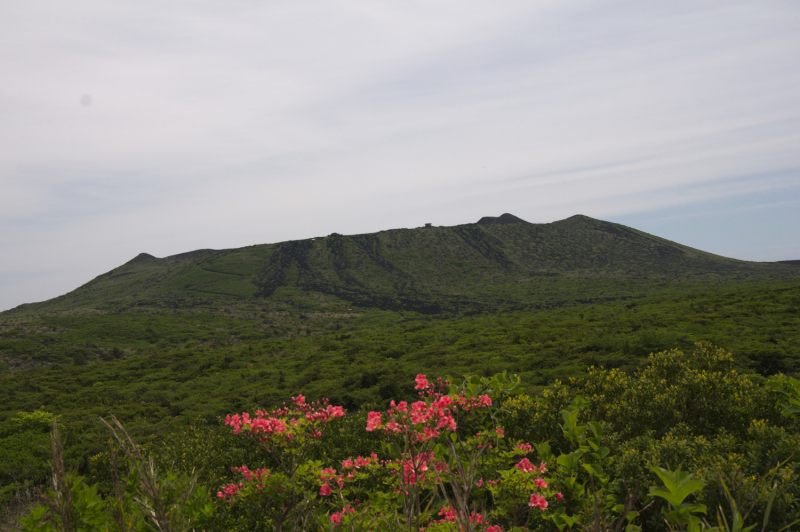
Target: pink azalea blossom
[[373, 421], [537, 501], [525, 466]]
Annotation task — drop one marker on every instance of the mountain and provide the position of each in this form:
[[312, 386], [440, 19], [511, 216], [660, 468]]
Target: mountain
[[497, 263]]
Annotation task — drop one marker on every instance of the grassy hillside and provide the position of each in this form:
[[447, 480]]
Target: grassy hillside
[[157, 372], [160, 342], [158, 366], [499, 263]]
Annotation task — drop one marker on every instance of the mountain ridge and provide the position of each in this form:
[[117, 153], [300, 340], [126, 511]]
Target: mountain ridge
[[497, 262]]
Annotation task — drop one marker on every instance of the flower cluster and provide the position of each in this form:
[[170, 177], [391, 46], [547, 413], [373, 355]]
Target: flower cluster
[[415, 467], [423, 421], [288, 434], [449, 515], [255, 478], [359, 462], [426, 419], [330, 479], [538, 501], [441, 450], [526, 466], [287, 421], [229, 491], [336, 518]]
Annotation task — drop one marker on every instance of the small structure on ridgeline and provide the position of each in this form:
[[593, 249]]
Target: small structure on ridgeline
[[502, 219]]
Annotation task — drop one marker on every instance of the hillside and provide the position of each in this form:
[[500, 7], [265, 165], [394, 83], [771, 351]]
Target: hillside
[[169, 343], [497, 263]]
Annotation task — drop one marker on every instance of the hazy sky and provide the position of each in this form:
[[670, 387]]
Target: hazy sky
[[170, 126]]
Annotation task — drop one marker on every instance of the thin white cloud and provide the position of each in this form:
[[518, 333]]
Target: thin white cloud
[[214, 124]]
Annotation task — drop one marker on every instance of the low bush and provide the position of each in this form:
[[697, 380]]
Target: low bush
[[686, 442]]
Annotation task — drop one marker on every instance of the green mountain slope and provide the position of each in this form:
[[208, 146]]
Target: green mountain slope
[[163, 342], [501, 262]]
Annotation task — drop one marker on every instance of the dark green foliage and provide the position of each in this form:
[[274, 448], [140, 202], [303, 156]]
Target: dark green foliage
[[165, 343], [204, 364], [689, 409], [24, 438], [465, 269]]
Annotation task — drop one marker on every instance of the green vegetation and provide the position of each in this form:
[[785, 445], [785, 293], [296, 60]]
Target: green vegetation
[[170, 346], [717, 453], [495, 265], [157, 373]]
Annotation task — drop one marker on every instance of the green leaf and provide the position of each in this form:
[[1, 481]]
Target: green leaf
[[679, 485], [593, 469], [562, 521]]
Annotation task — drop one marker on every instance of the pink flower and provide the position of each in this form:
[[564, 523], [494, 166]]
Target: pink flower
[[393, 426], [429, 434], [335, 411], [525, 466], [415, 467], [540, 483], [446, 422], [229, 491], [525, 447], [537, 501], [325, 490], [420, 412], [246, 473], [443, 402], [559, 496], [448, 514], [268, 426], [422, 383], [401, 407], [361, 462], [373, 421], [476, 518], [234, 421], [336, 519], [494, 528]]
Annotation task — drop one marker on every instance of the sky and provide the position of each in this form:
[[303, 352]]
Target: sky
[[163, 127]]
